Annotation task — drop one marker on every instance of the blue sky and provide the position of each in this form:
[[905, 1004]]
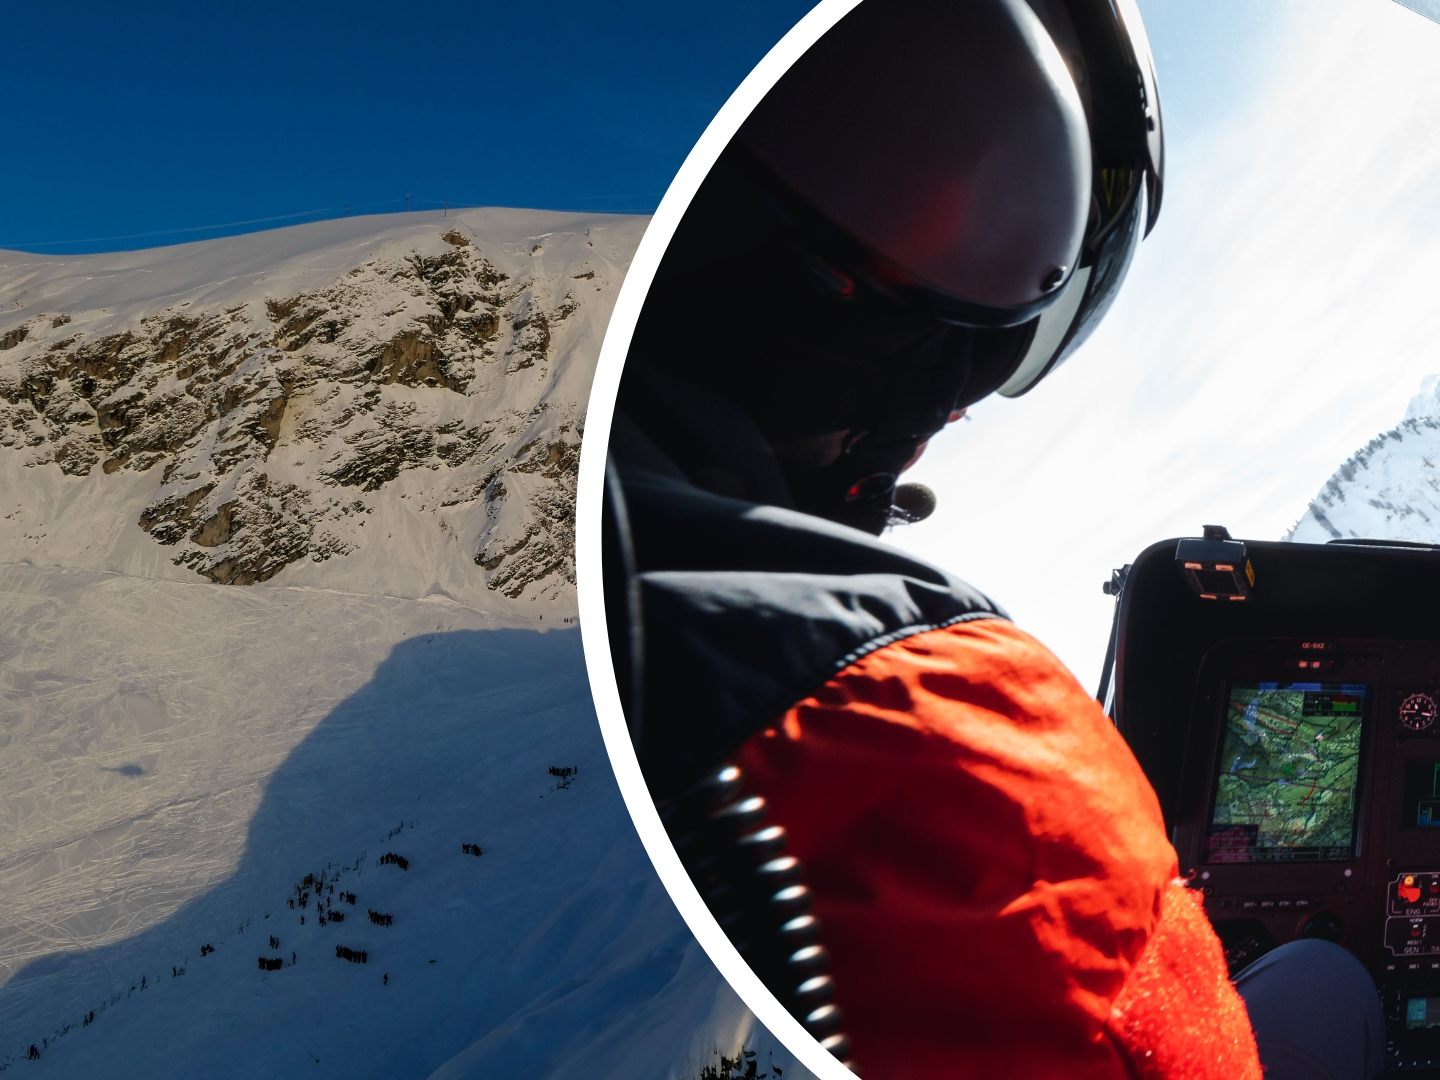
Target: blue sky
[[162, 116]]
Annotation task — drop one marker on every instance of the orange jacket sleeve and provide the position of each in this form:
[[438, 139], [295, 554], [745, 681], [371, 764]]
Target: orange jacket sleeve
[[991, 868]]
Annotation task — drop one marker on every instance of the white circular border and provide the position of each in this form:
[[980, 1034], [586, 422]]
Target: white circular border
[[588, 508]]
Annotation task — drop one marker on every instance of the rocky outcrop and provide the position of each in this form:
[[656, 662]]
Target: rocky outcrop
[[273, 428], [544, 551]]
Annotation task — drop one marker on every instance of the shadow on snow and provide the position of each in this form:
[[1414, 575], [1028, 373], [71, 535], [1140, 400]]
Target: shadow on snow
[[448, 730]]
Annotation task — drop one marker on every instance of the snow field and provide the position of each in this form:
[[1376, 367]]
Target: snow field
[[178, 757]]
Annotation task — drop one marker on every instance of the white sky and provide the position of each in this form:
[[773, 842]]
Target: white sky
[[1283, 312]]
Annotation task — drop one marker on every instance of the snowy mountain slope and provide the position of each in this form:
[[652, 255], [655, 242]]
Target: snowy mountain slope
[[163, 796], [286, 579], [1389, 489], [393, 400]]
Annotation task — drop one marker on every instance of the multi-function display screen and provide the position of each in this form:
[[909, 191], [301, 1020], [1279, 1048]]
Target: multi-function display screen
[[1422, 1012], [1288, 772]]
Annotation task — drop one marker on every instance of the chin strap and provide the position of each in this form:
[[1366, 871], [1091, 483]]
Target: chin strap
[[862, 489], [904, 404]]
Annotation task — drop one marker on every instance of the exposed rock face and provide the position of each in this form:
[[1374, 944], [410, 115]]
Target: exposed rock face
[[271, 429], [545, 550]]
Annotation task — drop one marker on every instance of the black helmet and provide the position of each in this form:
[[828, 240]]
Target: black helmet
[[936, 202]]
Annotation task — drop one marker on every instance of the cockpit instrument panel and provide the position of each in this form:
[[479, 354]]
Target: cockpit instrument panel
[[1293, 740]]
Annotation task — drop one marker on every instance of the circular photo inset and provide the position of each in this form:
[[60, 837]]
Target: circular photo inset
[[903, 829]]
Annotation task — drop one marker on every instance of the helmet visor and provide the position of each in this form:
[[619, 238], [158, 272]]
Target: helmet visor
[[1063, 327]]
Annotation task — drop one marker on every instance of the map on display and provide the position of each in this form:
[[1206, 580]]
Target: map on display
[[1288, 770]]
